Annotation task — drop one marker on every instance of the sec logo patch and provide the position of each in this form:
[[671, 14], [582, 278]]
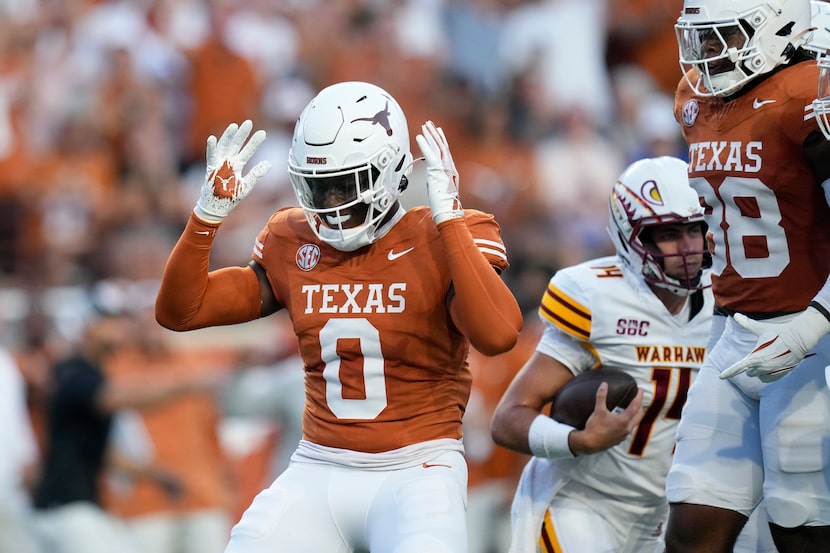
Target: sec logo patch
[[690, 111], [308, 255]]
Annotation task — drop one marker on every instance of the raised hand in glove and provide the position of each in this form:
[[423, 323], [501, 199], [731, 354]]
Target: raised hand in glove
[[781, 346], [442, 176], [224, 185]]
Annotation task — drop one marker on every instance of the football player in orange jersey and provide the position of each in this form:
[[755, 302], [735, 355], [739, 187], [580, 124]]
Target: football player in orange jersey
[[755, 423], [385, 303]]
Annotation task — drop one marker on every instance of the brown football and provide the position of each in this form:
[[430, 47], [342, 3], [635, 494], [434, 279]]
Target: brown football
[[574, 402]]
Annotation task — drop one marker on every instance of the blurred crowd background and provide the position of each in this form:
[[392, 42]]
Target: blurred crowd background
[[105, 106]]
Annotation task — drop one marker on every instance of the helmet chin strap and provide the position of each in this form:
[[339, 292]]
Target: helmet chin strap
[[673, 285], [685, 286], [654, 272], [352, 239], [396, 213]]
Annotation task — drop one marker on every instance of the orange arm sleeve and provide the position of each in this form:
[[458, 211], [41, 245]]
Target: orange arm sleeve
[[190, 297], [483, 307]]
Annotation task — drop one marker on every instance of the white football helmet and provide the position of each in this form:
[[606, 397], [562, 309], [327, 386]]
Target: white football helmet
[[352, 142], [652, 192], [729, 43], [819, 42]]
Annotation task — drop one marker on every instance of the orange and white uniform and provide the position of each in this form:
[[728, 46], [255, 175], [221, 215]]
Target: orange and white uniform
[[768, 217], [385, 366], [381, 463], [769, 235]]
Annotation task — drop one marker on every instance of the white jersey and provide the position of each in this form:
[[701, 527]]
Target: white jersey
[[600, 314]]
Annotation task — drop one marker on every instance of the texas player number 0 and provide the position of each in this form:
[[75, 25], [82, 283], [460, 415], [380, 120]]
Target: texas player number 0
[[373, 377]]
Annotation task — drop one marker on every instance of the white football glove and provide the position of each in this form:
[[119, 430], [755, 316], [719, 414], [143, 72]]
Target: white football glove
[[224, 185], [442, 176], [781, 346]]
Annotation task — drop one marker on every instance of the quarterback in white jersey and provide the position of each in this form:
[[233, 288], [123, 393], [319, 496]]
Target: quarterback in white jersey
[[646, 311]]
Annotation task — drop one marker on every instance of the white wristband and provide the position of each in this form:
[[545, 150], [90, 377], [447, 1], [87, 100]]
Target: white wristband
[[549, 438], [206, 217], [446, 216]]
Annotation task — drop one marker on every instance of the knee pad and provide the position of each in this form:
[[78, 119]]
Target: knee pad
[[679, 485], [785, 512]]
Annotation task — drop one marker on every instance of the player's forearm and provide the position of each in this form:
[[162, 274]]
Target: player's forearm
[[483, 308], [191, 297], [185, 277], [510, 427]]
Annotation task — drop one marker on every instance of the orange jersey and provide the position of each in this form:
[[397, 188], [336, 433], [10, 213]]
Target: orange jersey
[[769, 223], [385, 365]]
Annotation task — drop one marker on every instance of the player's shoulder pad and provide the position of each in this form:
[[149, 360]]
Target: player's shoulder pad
[[566, 305], [286, 214], [476, 217], [800, 81], [583, 281], [487, 236], [284, 223], [683, 91], [795, 88], [574, 292], [285, 220]]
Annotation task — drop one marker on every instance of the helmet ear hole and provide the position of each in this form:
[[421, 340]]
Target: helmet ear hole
[[383, 160], [404, 182], [623, 241]]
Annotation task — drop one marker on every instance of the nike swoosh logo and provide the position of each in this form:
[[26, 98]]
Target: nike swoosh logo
[[203, 232], [430, 465], [393, 256], [758, 103]]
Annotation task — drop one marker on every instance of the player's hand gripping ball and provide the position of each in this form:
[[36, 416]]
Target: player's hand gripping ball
[[575, 401]]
